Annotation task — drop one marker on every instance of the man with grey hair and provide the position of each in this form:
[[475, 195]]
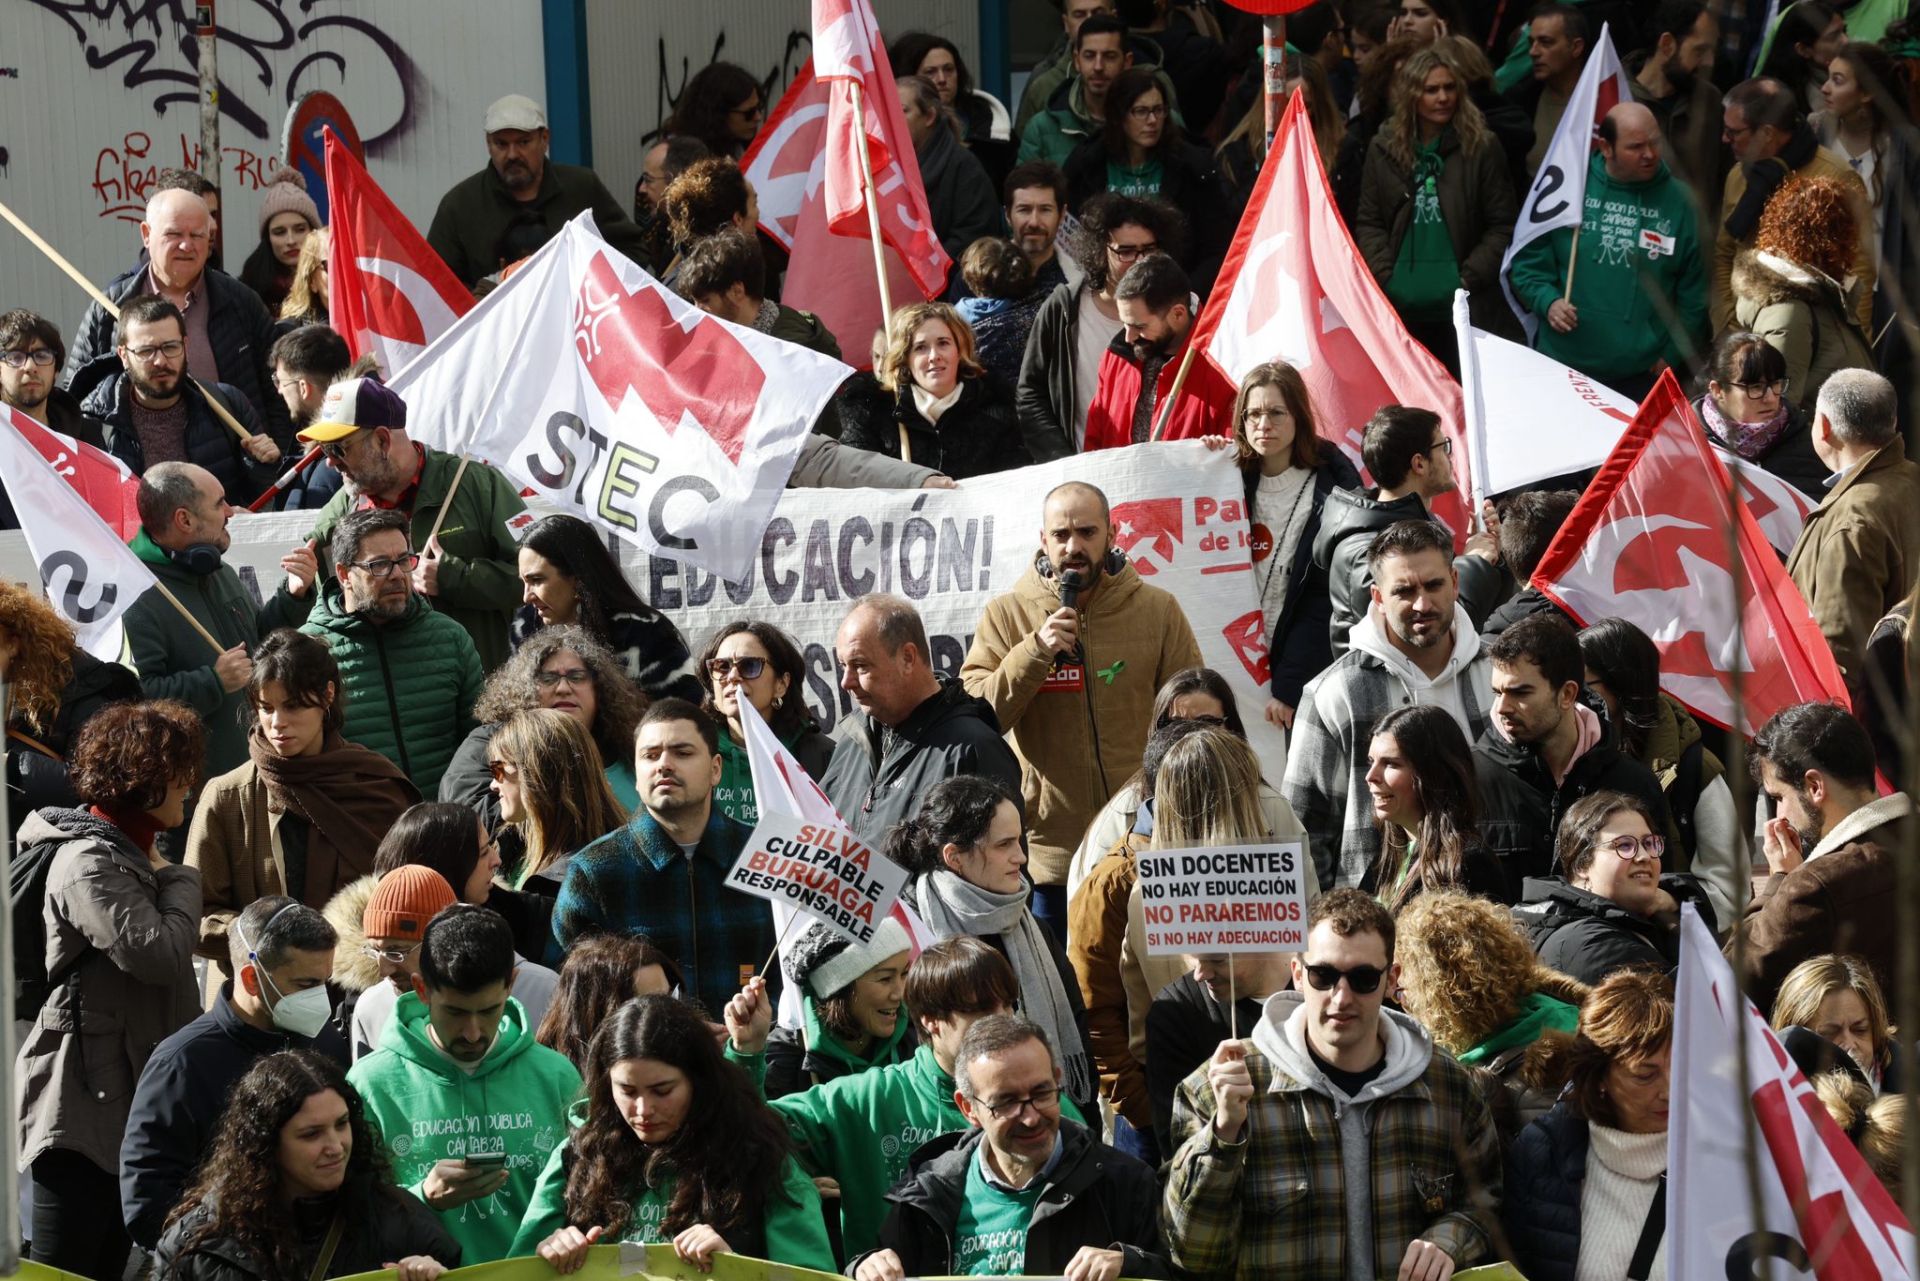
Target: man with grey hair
[[182, 540], [228, 330], [1021, 1191], [411, 673], [280, 954], [915, 726], [1858, 554]]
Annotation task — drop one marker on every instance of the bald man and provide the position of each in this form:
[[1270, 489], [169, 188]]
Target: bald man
[[1071, 660], [1639, 301], [228, 330]]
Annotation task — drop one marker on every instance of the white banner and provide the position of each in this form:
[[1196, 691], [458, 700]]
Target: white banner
[[1179, 509], [1242, 898], [821, 869], [1824, 1214]]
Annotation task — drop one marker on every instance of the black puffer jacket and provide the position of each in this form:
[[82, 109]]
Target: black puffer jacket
[[210, 443], [1546, 1169], [381, 1224], [1587, 937], [1348, 523], [979, 433]]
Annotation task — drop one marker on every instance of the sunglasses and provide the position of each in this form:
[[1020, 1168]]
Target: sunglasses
[[749, 668], [1363, 979], [502, 770]]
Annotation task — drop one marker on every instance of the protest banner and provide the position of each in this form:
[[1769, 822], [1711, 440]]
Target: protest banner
[[1230, 898], [821, 869], [1178, 507]]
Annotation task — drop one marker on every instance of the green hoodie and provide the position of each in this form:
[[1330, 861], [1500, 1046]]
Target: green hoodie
[[795, 1231], [1539, 1013], [430, 1110], [861, 1129], [1639, 247], [817, 1040]]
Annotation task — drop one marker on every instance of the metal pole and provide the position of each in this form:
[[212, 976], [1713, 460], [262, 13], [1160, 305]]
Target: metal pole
[[209, 94], [10, 1144], [1273, 48]]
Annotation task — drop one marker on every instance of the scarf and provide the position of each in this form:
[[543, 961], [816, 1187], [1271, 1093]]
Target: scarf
[[953, 906], [1752, 441], [1764, 177], [934, 408], [136, 825], [349, 794]]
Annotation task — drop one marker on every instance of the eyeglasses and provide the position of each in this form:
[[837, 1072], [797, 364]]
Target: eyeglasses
[[748, 113], [40, 356], [502, 770], [572, 676], [1762, 391], [1628, 848], [1266, 415], [1043, 1100], [147, 355], [391, 955], [385, 565], [1127, 253], [1148, 113], [1363, 979], [1444, 446], [749, 668], [336, 450]]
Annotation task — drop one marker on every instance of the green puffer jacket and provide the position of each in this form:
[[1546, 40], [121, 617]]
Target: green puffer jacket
[[419, 672], [479, 585], [1640, 254], [175, 661]]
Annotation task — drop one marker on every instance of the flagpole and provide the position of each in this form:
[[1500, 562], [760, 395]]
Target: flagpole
[[447, 502], [59, 260], [174, 601], [1476, 423], [1179, 381], [873, 232], [1573, 260]]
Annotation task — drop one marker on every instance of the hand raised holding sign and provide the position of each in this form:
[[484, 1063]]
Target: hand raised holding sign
[[749, 1017], [1232, 1087]]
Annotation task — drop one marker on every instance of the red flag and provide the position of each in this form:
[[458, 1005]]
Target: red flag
[[1648, 543], [830, 275], [1294, 287], [97, 476], [388, 291]]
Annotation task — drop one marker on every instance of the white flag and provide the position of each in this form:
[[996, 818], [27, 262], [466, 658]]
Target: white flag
[[1512, 390], [89, 575], [589, 381], [1824, 1214], [1558, 197]]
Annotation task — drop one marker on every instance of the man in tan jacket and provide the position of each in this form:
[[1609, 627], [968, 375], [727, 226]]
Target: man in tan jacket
[[1858, 554], [1071, 659]]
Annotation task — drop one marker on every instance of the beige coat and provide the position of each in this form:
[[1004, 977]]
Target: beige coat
[[1805, 315], [1859, 551], [1825, 164]]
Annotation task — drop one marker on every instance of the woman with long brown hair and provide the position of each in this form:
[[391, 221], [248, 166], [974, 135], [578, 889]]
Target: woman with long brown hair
[[1427, 803], [673, 1144], [602, 973]]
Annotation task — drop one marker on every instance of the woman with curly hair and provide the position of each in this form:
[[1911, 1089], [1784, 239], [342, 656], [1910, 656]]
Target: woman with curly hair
[[759, 664], [1795, 287], [602, 973], [306, 302], [53, 686], [296, 1185], [120, 923], [1838, 999], [948, 410], [723, 106], [303, 814], [674, 1144], [1436, 204], [708, 196], [1427, 803], [569, 577], [1469, 975], [1581, 1180]]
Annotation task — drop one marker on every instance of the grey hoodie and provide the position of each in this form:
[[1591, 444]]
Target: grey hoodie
[[1281, 1035]]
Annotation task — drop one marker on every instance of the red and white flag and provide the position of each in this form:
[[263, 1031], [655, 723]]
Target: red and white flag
[[102, 480], [1648, 543], [86, 568], [388, 292], [1823, 1213], [1294, 287], [1511, 390], [1558, 197], [612, 397]]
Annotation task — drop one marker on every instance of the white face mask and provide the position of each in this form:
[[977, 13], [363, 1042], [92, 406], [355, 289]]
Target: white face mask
[[301, 1013]]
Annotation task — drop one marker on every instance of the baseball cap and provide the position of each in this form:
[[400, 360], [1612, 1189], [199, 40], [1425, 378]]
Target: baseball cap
[[351, 404], [515, 111]]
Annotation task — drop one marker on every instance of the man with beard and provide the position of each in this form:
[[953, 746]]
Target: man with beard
[[1674, 79], [1036, 195], [472, 569], [1416, 644], [410, 672], [1156, 305], [1071, 660], [30, 355], [183, 535], [665, 160], [664, 874], [521, 199], [304, 363], [153, 412]]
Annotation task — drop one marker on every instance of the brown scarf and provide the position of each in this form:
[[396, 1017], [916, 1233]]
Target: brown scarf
[[348, 794]]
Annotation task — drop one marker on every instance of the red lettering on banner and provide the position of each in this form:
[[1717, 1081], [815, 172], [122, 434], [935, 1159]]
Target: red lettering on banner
[[1070, 678]]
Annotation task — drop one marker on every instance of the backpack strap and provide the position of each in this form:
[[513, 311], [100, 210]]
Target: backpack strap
[[1683, 798], [1651, 1233]]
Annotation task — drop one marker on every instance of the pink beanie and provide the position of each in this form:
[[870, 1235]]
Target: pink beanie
[[286, 192]]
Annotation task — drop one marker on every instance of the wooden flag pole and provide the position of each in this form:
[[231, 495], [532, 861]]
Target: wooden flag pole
[[1179, 381], [446, 503], [1573, 260], [174, 601], [59, 260], [873, 232], [1233, 1002]]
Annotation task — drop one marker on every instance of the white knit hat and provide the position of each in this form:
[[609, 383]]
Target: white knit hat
[[826, 960]]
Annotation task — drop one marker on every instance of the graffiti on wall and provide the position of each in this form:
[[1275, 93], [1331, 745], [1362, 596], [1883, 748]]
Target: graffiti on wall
[[798, 48]]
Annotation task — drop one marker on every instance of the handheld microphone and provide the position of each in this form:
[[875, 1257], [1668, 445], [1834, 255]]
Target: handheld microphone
[[1072, 583]]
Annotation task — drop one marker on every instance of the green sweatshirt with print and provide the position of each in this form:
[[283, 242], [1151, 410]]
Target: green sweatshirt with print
[[429, 1109], [794, 1231]]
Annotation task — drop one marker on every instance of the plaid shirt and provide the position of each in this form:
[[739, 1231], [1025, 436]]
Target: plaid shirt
[[634, 880], [1273, 1204]]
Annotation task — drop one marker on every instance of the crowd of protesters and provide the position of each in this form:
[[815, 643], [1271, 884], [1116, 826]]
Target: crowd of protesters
[[393, 930]]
